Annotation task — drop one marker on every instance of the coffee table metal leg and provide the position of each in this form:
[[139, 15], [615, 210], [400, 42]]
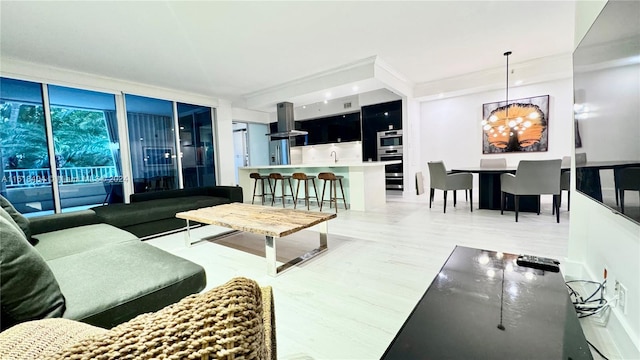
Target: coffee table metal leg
[[270, 252], [187, 236]]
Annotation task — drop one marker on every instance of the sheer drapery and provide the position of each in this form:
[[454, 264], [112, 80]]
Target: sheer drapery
[[153, 151]]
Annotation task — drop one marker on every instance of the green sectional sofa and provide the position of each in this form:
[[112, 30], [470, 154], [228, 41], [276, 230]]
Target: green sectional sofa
[[92, 266], [152, 213]]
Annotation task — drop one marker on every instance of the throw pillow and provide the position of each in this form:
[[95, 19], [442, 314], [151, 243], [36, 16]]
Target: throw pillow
[[20, 219], [28, 288]]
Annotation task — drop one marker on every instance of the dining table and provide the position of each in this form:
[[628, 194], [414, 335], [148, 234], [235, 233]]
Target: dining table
[[489, 194]]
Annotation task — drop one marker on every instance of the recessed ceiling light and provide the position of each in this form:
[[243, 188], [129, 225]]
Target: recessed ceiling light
[[304, 106], [326, 101]]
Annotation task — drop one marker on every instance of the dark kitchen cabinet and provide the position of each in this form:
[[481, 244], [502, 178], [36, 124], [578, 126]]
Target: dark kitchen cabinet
[[332, 129], [376, 118]]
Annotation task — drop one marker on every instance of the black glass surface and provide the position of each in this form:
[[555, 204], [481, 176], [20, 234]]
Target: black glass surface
[[606, 78], [482, 305]]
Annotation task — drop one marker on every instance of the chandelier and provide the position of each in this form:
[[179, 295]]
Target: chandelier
[[515, 126]]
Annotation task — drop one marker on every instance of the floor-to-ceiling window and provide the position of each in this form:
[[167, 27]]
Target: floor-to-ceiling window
[[26, 175], [196, 145], [152, 143], [85, 138]]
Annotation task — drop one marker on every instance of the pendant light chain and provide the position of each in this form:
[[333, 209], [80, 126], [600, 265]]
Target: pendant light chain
[[507, 100]]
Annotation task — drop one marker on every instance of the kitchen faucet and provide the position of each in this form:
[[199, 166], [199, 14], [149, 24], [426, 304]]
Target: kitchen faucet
[[335, 156]]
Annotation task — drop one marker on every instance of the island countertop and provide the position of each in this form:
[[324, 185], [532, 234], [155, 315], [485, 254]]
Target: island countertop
[[329, 164], [363, 182]]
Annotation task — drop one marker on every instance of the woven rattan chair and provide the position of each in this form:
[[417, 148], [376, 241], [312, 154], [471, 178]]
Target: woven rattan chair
[[235, 320]]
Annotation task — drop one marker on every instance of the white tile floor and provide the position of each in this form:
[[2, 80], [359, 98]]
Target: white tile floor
[[349, 302]]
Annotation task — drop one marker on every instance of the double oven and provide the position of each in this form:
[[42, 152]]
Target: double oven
[[390, 148]]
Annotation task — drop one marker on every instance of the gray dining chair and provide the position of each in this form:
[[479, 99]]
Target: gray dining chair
[[439, 179], [629, 181], [533, 177], [493, 163]]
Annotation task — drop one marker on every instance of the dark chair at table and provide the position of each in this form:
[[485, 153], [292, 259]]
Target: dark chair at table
[[439, 179], [533, 177], [629, 181]]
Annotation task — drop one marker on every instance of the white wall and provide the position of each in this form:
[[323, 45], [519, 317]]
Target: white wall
[[599, 238], [450, 128], [224, 137]]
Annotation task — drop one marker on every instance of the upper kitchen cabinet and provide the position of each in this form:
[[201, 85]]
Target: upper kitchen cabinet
[[378, 117], [332, 129]]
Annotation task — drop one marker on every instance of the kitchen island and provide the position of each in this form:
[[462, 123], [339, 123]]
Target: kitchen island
[[364, 182]]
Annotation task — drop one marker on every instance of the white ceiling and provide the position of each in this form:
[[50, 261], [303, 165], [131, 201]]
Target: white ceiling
[[234, 49]]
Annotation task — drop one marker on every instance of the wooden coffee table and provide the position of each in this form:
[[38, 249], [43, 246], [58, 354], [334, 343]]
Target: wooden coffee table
[[264, 220]]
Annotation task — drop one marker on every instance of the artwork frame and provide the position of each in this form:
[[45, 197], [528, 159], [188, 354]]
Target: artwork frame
[[522, 126]]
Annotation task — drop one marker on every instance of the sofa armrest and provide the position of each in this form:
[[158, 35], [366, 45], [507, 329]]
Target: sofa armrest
[[53, 222], [233, 193]]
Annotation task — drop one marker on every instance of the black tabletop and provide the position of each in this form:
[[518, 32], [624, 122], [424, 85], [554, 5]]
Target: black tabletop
[[481, 305]]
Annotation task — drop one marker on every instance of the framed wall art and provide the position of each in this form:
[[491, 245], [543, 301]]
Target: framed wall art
[[520, 126]]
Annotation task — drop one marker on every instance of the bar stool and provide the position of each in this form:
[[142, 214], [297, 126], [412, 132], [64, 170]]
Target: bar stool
[[304, 177], [333, 181], [282, 178], [257, 177]]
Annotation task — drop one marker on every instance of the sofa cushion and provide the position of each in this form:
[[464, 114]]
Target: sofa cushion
[[109, 285], [28, 288], [123, 215], [55, 244], [20, 219]]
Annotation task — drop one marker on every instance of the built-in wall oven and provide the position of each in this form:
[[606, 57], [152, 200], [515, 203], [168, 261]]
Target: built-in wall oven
[[390, 140], [390, 148]]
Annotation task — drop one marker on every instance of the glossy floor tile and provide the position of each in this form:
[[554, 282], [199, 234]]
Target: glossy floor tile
[[349, 302]]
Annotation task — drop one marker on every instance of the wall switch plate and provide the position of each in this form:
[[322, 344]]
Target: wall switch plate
[[621, 293]]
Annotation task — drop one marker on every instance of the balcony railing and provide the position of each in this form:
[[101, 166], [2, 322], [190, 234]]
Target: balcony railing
[[18, 178]]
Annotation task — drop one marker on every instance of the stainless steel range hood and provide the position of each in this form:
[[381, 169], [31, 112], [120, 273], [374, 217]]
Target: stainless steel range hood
[[286, 123]]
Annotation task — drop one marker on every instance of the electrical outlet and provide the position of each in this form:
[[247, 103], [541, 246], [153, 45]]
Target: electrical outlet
[[621, 294], [601, 318]]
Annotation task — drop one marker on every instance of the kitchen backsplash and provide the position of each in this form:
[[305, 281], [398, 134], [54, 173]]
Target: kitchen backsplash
[[322, 154]]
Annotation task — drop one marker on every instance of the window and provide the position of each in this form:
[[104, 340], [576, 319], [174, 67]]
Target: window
[[87, 150], [196, 145], [26, 174], [152, 143]]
